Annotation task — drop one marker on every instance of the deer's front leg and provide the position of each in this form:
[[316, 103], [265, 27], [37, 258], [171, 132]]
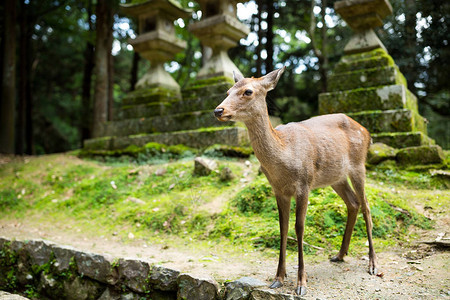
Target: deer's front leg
[[300, 214], [284, 206]]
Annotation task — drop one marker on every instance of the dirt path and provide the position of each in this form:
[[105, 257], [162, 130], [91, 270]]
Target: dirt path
[[419, 273]]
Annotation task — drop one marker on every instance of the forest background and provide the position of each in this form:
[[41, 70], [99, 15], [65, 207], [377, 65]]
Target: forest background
[[59, 57]]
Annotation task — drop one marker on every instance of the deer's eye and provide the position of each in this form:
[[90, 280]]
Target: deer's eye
[[248, 92]]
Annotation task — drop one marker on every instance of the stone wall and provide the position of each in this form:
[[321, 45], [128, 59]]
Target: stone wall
[[43, 270]]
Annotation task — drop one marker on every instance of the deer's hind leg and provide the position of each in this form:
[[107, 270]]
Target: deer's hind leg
[[344, 190], [358, 179]]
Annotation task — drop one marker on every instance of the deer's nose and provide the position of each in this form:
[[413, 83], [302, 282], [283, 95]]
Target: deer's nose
[[218, 112]]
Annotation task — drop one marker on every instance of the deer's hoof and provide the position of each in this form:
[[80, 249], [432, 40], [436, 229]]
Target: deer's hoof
[[276, 284], [336, 259], [373, 270], [300, 290]]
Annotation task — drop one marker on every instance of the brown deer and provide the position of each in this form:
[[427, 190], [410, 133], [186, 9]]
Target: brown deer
[[298, 157]]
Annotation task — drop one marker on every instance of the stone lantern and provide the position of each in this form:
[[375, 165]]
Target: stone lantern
[[156, 41], [220, 30], [362, 16]]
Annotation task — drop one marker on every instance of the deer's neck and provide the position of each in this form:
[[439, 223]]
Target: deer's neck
[[266, 141]]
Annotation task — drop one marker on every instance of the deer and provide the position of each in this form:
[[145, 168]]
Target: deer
[[301, 156]]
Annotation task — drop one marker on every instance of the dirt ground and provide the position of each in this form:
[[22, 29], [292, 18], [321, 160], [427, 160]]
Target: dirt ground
[[419, 272]]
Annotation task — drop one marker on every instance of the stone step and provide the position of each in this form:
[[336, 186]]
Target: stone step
[[217, 84], [396, 120], [402, 139], [199, 90], [174, 107], [421, 155], [364, 55], [374, 98], [366, 78], [167, 123], [150, 95], [199, 138], [376, 61]]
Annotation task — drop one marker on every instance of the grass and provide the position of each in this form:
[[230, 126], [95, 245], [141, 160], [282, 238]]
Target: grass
[[123, 196]]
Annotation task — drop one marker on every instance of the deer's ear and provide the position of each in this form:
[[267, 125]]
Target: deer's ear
[[269, 81], [237, 76]]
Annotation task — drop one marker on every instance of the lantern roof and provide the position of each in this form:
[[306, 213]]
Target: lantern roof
[[150, 7]]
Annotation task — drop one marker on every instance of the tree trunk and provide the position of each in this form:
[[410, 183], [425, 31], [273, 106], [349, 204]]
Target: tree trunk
[[134, 71], [85, 126], [102, 51], [110, 86], [260, 37], [7, 108], [410, 69], [324, 61], [269, 35]]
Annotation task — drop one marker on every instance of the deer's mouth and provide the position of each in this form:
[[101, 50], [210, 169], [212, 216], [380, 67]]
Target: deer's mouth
[[224, 118]]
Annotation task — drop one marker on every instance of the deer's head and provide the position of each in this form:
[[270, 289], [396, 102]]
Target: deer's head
[[247, 97]]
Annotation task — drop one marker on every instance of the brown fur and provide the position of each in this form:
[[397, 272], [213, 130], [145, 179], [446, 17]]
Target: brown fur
[[298, 157]]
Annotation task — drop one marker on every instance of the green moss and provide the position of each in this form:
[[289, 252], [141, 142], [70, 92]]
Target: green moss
[[210, 81], [146, 153], [421, 155]]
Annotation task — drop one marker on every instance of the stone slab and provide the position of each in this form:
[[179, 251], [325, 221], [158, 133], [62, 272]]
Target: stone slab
[[397, 120], [365, 78], [232, 136], [367, 99], [349, 63], [402, 139], [167, 123], [150, 95], [420, 155]]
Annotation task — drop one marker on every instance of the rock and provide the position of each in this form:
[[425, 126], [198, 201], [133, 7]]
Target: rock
[[420, 155], [110, 294], [63, 256], [160, 172], [241, 288], [271, 295], [164, 279], [8, 296], [81, 288], [197, 288], [379, 152], [226, 174], [96, 267], [204, 166], [47, 282], [134, 274], [135, 200]]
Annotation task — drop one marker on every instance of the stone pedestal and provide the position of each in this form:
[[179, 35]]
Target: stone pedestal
[[157, 41], [220, 30], [368, 86]]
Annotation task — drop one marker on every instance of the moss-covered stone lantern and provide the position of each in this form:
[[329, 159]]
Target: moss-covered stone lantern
[[156, 41], [368, 86], [362, 16], [220, 30]]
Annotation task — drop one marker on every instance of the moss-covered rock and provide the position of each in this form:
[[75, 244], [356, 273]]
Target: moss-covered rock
[[151, 95], [420, 155], [402, 139], [379, 152], [166, 123], [379, 59], [398, 120], [365, 78], [98, 143], [363, 99]]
